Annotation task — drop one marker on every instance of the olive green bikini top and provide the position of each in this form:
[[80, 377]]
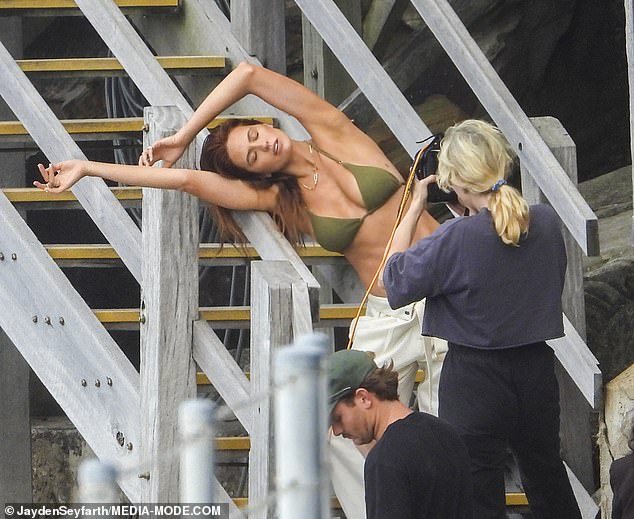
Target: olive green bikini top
[[376, 186]]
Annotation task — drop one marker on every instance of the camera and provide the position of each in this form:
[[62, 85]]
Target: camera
[[426, 164]]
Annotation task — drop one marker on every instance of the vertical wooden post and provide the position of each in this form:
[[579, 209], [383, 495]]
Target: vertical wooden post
[[323, 73], [169, 305], [629, 47], [259, 26], [15, 450], [272, 317], [576, 431]]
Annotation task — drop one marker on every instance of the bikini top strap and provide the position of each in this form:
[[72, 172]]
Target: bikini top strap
[[325, 153]]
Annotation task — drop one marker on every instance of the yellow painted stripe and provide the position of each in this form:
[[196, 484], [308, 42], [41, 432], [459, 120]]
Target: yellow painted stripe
[[512, 499], [233, 443], [112, 64], [114, 125], [32, 194], [221, 313], [206, 251], [71, 4]]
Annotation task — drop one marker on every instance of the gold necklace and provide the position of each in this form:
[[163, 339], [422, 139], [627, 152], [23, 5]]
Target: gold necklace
[[315, 170]]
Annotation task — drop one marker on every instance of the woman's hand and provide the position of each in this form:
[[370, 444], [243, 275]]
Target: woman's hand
[[169, 150], [61, 176], [420, 193]]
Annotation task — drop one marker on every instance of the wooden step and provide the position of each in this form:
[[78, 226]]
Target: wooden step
[[34, 198], [34, 5], [192, 65], [105, 129], [203, 380], [512, 499], [209, 254], [232, 443], [226, 316]]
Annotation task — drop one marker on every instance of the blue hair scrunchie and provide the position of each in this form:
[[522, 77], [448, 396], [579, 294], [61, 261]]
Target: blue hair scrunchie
[[498, 184]]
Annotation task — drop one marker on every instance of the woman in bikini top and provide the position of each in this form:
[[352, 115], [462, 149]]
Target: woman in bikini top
[[338, 187]]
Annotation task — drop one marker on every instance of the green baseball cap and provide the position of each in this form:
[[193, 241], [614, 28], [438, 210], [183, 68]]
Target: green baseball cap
[[347, 370]]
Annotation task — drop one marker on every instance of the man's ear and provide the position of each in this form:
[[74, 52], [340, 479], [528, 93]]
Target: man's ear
[[362, 397]]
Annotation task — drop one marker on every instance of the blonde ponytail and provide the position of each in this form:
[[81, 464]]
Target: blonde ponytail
[[509, 211], [475, 155]]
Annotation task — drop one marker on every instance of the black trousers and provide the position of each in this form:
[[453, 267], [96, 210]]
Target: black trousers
[[508, 398]]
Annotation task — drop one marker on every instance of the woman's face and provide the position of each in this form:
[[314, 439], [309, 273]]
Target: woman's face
[[259, 148]]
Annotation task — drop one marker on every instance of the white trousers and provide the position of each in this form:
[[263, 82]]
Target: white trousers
[[393, 335]]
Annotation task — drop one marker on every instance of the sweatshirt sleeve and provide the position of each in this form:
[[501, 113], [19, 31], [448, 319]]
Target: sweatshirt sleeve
[[422, 270]]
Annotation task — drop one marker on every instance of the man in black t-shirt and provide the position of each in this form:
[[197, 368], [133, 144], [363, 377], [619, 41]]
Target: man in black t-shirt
[[419, 467]]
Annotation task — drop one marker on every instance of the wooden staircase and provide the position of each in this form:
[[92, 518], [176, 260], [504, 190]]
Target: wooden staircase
[[105, 205]]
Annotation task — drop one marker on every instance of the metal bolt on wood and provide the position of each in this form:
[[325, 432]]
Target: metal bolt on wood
[[144, 475], [1, 256], [84, 383], [129, 446], [47, 320], [97, 383], [34, 319], [14, 256], [109, 381], [61, 321]]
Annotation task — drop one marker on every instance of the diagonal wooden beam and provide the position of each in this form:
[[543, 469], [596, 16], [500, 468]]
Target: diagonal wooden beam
[[367, 72], [66, 346]]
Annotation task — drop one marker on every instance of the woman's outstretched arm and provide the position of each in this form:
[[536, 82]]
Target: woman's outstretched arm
[[208, 186], [285, 94]]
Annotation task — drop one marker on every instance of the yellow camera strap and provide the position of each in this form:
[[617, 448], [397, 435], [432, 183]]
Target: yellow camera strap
[[399, 217]]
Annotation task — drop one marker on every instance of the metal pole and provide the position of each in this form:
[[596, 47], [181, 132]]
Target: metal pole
[[195, 422], [97, 483], [301, 428]]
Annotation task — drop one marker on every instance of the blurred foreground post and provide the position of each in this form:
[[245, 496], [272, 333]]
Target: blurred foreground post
[[301, 426]]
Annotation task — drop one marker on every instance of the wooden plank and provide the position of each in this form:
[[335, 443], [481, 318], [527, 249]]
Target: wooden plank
[[511, 119], [202, 379], [101, 66], [231, 316], [629, 48], [210, 251], [169, 303], [96, 198], [114, 125], [261, 29], [271, 245], [229, 380], [578, 373], [367, 72], [323, 73], [51, 326], [381, 22], [271, 328], [71, 4], [31, 194]]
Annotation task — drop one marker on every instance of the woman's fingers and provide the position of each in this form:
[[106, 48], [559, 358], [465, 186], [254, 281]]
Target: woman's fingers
[[51, 182], [147, 157]]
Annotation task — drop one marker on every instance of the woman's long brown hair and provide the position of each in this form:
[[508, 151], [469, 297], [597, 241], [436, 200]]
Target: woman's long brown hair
[[290, 213]]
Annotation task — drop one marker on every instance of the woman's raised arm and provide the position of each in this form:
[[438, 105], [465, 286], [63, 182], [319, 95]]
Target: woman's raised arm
[[208, 186], [279, 91]]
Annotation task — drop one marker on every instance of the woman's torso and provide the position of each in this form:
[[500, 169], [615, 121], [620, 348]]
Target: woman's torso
[[354, 208]]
